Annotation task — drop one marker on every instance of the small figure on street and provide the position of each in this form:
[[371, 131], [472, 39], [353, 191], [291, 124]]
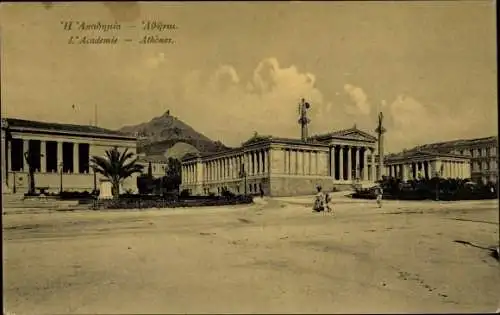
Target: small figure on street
[[379, 191], [328, 199], [319, 200], [261, 191]]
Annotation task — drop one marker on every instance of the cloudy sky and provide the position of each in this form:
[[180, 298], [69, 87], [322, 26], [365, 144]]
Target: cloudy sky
[[236, 68]]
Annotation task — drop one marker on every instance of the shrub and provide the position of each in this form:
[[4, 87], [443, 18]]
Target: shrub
[[184, 193], [139, 203], [442, 189]]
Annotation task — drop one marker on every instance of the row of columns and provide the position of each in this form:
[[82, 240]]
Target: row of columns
[[7, 162], [301, 162], [429, 169], [227, 168], [295, 162], [361, 171]]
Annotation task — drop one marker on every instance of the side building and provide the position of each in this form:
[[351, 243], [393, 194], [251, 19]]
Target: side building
[[158, 164], [482, 154], [284, 167], [419, 164], [65, 151]]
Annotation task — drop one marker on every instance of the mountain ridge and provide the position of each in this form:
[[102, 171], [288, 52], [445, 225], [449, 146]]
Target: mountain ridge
[[163, 132]]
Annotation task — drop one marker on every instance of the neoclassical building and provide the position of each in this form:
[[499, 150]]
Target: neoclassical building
[[65, 152], [284, 167], [420, 164], [481, 152]]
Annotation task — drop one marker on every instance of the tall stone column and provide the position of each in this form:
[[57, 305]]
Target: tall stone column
[[310, 171], [357, 165], [314, 163], [292, 161], [43, 157], [300, 162], [256, 161], [349, 163], [374, 167], [341, 163], [59, 155], [268, 156], [76, 160], [306, 162], [365, 164], [332, 162]]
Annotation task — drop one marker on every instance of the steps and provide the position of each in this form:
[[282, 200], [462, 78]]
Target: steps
[[18, 201]]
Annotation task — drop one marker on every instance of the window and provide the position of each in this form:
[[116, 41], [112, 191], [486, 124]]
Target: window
[[83, 157], [16, 155], [35, 146], [67, 157], [493, 164], [51, 157]]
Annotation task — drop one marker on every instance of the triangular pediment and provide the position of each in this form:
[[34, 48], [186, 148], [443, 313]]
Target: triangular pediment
[[347, 134], [358, 135]]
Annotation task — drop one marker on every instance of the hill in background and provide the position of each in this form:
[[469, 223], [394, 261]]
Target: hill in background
[[168, 132]]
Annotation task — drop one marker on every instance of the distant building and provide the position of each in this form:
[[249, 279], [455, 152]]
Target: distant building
[[419, 164], [284, 167], [159, 164], [482, 154], [65, 154]]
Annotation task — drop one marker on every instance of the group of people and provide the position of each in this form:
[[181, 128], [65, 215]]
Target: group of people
[[322, 200]]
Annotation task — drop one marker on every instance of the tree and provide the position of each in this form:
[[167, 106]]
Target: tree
[[173, 176], [150, 170], [115, 167]]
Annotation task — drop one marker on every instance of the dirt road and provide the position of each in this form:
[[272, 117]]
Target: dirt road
[[273, 257]]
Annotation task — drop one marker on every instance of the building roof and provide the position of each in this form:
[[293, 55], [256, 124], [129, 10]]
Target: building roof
[[420, 153], [455, 143], [15, 123]]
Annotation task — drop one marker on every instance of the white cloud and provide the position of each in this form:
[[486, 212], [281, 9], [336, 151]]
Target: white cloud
[[267, 102], [359, 99], [232, 108]]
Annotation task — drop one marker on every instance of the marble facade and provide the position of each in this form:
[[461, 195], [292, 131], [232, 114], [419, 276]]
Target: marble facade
[[65, 152], [422, 164], [283, 167]]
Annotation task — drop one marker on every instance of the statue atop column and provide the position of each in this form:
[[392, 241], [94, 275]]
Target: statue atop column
[[303, 120], [380, 130]]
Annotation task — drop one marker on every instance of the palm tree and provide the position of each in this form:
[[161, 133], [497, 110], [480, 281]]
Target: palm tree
[[115, 167]]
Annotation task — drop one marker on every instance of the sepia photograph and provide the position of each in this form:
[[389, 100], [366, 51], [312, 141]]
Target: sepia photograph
[[258, 157]]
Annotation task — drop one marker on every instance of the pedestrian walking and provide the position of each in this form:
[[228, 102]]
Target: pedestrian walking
[[328, 199], [379, 191]]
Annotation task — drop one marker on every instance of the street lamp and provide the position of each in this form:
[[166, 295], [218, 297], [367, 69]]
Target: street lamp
[[61, 178], [437, 185], [243, 175]]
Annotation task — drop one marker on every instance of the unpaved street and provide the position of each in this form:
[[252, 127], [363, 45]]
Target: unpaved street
[[274, 256]]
